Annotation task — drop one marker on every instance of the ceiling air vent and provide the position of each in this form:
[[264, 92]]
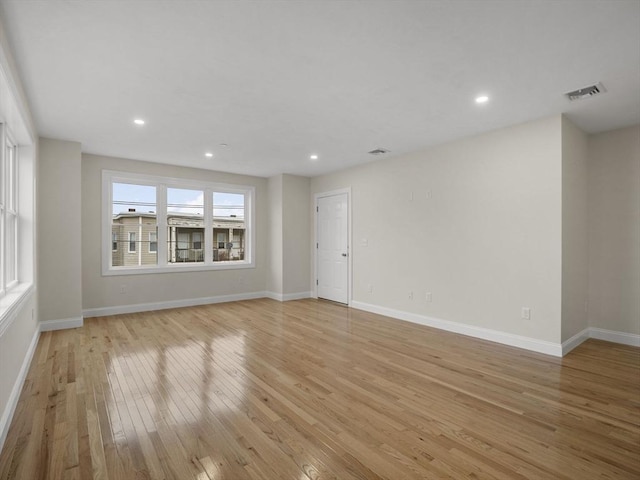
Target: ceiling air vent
[[586, 92], [379, 151]]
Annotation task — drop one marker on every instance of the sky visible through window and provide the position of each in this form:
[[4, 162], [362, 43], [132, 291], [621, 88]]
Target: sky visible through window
[[142, 198]]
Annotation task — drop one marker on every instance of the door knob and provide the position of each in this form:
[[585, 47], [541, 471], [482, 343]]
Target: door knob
[[344, 254]]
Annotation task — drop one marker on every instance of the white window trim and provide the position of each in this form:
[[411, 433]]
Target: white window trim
[[9, 208], [162, 183]]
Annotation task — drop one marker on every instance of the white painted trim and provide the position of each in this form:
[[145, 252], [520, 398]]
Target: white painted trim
[[316, 196], [574, 341], [285, 297], [296, 296], [12, 303], [535, 345], [616, 337], [188, 302], [61, 324], [12, 402]]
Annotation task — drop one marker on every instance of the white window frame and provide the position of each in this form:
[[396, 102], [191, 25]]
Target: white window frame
[[110, 177], [9, 212]]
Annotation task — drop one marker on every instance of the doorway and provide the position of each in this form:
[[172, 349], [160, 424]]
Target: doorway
[[332, 246]]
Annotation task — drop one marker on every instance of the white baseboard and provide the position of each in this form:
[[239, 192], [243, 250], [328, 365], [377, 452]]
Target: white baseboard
[[574, 341], [189, 302], [540, 346], [12, 402], [616, 337], [61, 324], [285, 297]]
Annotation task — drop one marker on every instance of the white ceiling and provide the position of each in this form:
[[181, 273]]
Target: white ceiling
[[279, 80]]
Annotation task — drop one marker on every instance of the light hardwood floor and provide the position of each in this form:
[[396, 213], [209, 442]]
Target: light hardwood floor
[[312, 390]]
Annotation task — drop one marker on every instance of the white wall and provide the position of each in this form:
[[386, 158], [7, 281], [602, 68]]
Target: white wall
[[275, 271], [289, 237], [59, 227], [14, 358], [575, 257], [296, 238], [614, 230], [104, 292], [476, 222]]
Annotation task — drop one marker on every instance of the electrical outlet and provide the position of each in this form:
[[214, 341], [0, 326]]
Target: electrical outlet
[[123, 289], [429, 195], [369, 288], [427, 297], [526, 313], [410, 295]]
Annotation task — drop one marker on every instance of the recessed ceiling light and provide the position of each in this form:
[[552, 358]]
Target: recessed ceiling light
[[224, 145], [138, 121], [482, 99], [313, 157], [208, 154]]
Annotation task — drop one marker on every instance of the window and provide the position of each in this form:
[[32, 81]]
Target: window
[[197, 240], [185, 220], [229, 226], [222, 239], [8, 215], [153, 242], [17, 203], [185, 224], [133, 219], [132, 242]]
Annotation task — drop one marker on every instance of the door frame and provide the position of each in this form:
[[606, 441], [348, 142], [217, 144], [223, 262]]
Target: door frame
[[316, 197]]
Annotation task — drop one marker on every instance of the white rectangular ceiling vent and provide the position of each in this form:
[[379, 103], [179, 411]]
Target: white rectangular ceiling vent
[[586, 92], [379, 151]]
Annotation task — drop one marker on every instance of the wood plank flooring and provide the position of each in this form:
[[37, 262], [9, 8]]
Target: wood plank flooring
[[311, 390]]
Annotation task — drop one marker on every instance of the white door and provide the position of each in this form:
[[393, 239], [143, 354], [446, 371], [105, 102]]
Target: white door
[[332, 246]]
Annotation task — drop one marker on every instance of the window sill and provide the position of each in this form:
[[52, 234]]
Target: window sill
[[12, 302], [176, 268]]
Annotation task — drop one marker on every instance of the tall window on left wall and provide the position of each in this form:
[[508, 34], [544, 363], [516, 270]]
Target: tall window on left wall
[[8, 213]]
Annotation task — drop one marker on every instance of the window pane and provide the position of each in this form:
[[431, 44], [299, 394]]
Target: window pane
[[133, 220], [10, 248], [153, 242], [2, 259], [185, 223], [11, 200], [132, 242], [228, 227]]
